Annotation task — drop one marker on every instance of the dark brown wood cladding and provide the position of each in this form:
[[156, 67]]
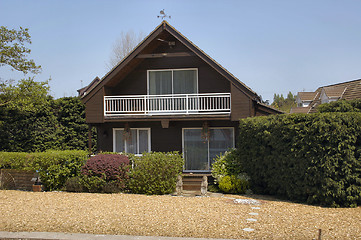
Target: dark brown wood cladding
[[241, 105], [162, 139], [209, 80], [94, 112]]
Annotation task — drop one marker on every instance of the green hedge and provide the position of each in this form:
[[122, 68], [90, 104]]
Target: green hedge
[[54, 167], [155, 172], [312, 158]]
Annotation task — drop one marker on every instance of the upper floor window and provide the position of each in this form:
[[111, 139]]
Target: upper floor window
[[172, 81]]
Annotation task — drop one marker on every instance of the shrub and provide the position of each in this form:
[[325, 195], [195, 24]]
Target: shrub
[[313, 158], [112, 187], [226, 164], [341, 106], [234, 184], [92, 184], [109, 167], [156, 172], [74, 184], [55, 167], [16, 160]]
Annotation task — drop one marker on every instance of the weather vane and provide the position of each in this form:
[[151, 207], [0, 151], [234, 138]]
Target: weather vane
[[163, 15]]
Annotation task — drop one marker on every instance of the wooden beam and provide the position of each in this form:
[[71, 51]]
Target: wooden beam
[[90, 138], [165, 123], [160, 55]]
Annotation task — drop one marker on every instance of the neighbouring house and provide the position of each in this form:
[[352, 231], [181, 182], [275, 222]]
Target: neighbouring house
[[307, 102], [168, 95]]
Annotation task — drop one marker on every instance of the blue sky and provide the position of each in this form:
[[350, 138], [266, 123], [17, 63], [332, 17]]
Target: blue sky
[[273, 46]]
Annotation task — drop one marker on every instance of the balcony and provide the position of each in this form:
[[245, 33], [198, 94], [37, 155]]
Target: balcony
[[174, 104]]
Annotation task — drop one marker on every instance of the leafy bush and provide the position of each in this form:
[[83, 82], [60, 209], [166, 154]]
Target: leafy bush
[[156, 172], [226, 164], [16, 160], [112, 187], [234, 184], [109, 167], [313, 158], [74, 184], [92, 184], [228, 173], [54, 167], [341, 106]]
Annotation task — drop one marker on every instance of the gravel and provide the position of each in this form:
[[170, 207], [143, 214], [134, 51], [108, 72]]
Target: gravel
[[201, 217]]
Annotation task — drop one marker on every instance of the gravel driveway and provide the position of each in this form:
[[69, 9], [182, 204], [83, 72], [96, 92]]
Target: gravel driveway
[[201, 217]]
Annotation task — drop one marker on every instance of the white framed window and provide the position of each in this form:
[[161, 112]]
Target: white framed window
[[199, 153], [172, 81], [136, 141]]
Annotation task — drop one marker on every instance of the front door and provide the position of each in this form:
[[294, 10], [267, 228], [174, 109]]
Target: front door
[[199, 153]]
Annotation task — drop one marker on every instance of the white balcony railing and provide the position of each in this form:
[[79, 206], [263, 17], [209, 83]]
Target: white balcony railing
[[175, 104]]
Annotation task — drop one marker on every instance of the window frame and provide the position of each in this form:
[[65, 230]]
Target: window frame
[[172, 70], [125, 141]]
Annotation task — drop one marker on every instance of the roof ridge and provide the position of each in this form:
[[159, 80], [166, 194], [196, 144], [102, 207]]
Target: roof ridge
[[331, 85]]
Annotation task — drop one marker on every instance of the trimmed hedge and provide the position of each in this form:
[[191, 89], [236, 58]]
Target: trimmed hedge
[[155, 172], [312, 158], [16, 160], [54, 167]]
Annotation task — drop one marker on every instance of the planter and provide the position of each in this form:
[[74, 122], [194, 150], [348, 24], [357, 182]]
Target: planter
[[37, 188]]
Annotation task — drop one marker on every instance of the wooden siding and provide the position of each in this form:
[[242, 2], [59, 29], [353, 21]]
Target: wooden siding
[[241, 105], [135, 83], [162, 139], [209, 81], [94, 108]]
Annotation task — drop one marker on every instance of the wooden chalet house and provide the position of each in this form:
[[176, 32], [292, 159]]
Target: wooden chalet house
[[168, 95]]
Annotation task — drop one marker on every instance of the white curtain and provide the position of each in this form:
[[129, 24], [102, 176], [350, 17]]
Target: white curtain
[[136, 144], [220, 141], [160, 82], [199, 153], [119, 141], [143, 141], [184, 81], [132, 142], [195, 150]]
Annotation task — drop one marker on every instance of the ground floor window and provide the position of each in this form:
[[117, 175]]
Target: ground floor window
[[199, 151], [133, 140]]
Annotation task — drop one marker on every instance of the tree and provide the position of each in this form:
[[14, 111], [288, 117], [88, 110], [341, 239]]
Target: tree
[[27, 122], [284, 104], [72, 130], [26, 95], [123, 46], [13, 51]]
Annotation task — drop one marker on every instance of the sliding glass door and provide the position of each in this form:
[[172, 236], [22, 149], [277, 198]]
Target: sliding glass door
[[199, 153], [173, 81]]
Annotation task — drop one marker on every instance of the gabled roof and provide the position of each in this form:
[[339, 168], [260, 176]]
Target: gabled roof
[[346, 90], [334, 91], [306, 96], [165, 26], [83, 91], [300, 110]]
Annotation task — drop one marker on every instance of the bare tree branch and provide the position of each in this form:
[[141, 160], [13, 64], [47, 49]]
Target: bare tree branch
[[123, 46]]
